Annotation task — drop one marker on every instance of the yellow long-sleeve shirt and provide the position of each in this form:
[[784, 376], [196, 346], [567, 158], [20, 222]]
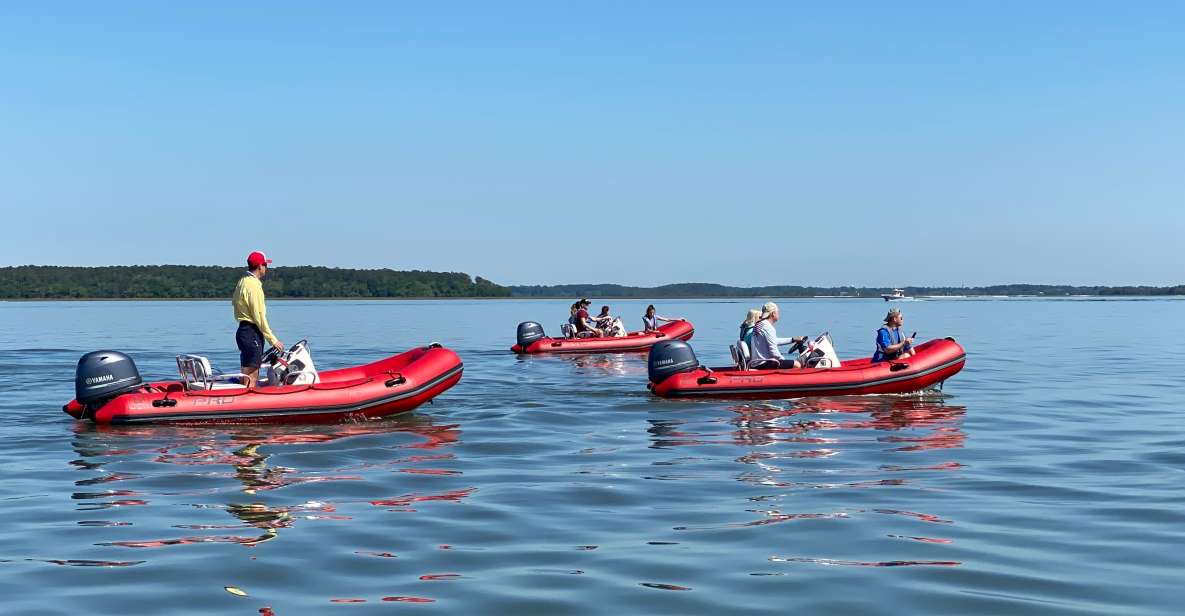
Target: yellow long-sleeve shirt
[[248, 303]]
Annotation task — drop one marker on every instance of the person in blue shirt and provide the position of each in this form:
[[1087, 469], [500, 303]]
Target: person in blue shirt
[[890, 342]]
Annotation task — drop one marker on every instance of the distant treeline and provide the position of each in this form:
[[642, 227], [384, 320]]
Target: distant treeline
[[200, 282], [693, 289]]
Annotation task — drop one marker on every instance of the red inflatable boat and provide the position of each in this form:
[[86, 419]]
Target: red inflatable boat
[[674, 372], [531, 339], [109, 390]]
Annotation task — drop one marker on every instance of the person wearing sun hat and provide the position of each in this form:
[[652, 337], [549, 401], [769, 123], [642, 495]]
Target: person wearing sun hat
[[251, 314], [890, 342], [764, 346]]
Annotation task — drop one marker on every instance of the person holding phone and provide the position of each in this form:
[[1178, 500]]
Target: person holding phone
[[890, 342]]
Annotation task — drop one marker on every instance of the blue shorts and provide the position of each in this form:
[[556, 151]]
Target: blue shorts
[[250, 342]]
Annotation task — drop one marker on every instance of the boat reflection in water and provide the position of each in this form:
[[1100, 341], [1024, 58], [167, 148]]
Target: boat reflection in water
[[822, 464], [616, 364], [925, 421], [199, 453]]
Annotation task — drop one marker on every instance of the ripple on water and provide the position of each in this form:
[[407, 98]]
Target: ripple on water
[[559, 485]]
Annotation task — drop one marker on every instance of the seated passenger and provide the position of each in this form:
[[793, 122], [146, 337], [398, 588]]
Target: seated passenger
[[584, 324], [763, 350], [609, 324], [572, 319], [890, 342], [603, 318], [747, 326], [650, 320]]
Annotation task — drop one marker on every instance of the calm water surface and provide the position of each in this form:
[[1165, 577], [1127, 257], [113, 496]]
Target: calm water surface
[[1049, 479]]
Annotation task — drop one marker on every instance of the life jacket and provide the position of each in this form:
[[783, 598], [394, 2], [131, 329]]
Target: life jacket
[[883, 355]]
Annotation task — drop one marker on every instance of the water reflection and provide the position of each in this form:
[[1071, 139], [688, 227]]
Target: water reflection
[[246, 453], [614, 364], [818, 463], [925, 423]]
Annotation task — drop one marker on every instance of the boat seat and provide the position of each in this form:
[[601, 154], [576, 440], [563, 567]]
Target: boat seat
[[742, 355], [197, 373], [215, 386]]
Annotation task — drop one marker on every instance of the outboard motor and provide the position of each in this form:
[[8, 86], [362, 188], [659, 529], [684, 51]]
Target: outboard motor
[[528, 332], [102, 375], [668, 358]]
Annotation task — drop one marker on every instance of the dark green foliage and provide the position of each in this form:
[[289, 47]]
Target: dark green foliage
[[203, 282], [694, 289], [211, 282]]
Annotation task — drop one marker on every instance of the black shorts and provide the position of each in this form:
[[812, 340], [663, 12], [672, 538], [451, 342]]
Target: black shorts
[[250, 342]]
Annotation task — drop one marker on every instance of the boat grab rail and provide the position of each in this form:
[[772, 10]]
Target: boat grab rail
[[273, 391]]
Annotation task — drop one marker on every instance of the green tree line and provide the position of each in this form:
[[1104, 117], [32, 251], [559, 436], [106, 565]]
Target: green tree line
[[201, 282], [694, 289], [208, 282]]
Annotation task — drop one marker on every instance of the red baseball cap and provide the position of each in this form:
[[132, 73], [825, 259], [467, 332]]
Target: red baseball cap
[[257, 258]]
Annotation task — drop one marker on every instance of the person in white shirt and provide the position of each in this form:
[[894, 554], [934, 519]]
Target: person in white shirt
[[764, 353]]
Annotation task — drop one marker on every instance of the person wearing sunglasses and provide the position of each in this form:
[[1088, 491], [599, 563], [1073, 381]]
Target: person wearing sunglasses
[[890, 342]]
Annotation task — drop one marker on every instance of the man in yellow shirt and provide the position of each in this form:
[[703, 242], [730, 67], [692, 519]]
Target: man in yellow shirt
[[251, 314]]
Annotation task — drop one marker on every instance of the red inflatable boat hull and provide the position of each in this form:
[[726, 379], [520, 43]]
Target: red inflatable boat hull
[[633, 341], [389, 386], [934, 362]]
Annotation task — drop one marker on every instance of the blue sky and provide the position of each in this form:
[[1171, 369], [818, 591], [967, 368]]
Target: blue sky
[[641, 143]]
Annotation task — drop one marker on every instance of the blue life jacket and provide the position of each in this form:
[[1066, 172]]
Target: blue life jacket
[[884, 338]]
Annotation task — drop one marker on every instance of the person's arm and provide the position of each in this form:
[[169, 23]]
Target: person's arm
[[791, 340], [883, 338], [767, 333], [259, 313], [906, 343], [668, 319]]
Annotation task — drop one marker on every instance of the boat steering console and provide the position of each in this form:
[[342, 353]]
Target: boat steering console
[[292, 366]]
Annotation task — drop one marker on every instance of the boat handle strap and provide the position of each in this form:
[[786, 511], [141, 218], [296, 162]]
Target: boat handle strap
[[396, 379]]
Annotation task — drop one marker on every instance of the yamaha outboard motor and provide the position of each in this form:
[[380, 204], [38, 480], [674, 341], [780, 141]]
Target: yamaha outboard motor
[[528, 332], [668, 358], [102, 375]]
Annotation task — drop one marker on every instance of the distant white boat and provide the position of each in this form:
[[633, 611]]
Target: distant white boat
[[897, 294]]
